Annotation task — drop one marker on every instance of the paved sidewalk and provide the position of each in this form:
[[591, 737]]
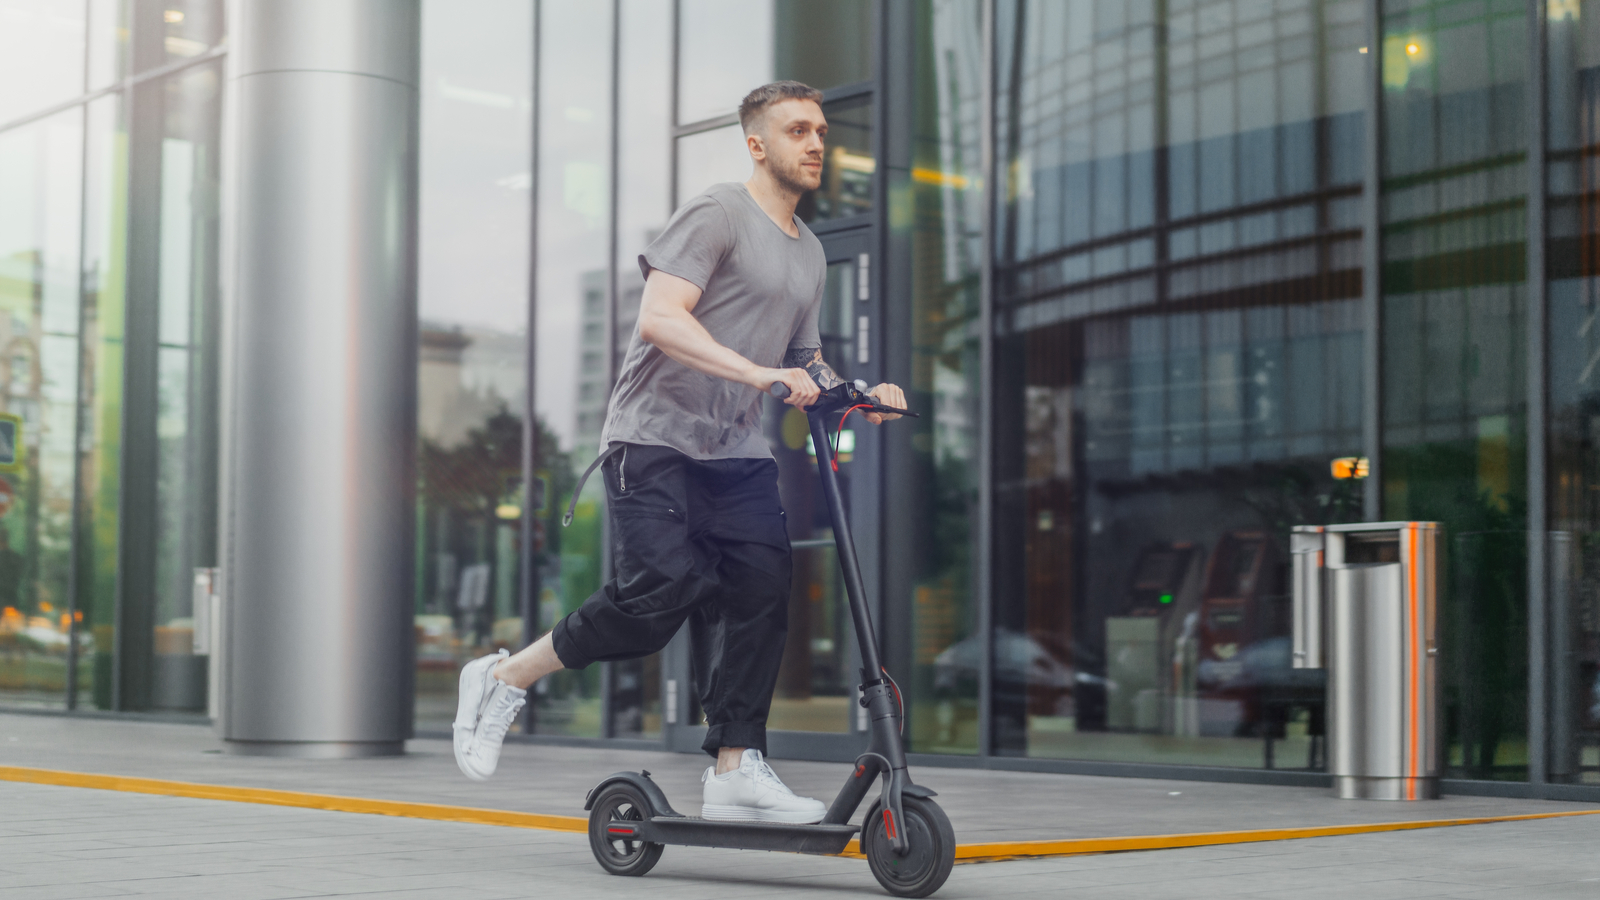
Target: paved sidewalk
[[983, 805], [58, 842]]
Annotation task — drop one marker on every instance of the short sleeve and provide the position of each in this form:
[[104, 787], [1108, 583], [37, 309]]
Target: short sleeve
[[806, 335], [693, 244]]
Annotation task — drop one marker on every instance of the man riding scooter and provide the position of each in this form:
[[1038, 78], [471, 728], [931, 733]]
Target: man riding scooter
[[732, 285]]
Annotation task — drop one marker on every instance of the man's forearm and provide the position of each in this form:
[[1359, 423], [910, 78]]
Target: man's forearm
[[685, 340], [811, 361]]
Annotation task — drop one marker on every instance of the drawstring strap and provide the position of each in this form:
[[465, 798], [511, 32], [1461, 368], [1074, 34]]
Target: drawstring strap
[[572, 508]]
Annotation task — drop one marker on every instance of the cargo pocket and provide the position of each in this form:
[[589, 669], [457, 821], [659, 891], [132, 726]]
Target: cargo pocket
[[649, 550]]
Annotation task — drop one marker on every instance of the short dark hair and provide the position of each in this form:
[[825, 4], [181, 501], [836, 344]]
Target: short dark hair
[[756, 102]]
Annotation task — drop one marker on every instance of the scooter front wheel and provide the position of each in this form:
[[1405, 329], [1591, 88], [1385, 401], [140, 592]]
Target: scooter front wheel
[[620, 856], [924, 869]]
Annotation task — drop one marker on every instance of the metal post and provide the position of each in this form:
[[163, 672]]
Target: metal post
[[1538, 547], [1372, 268], [986, 387], [319, 568], [534, 495]]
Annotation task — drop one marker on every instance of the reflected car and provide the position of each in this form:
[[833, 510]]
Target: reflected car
[[1024, 665]]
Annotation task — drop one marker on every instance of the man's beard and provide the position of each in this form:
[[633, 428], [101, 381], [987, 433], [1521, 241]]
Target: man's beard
[[791, 179]]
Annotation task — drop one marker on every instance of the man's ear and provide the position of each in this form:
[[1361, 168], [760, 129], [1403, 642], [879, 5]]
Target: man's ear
[[756, 146]]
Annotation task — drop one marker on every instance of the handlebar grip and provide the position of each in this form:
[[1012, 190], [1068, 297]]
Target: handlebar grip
[[780, 390]]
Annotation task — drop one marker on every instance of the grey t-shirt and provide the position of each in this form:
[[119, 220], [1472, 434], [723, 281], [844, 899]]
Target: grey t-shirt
[[761, 290]]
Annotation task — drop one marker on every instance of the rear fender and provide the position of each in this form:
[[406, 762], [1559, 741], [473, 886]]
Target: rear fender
[[641, 780]]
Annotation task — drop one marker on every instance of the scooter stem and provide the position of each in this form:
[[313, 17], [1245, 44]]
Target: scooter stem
[[854, 587], [885, 754]]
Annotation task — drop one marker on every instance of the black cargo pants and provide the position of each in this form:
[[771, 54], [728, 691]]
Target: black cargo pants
[[702, 540]]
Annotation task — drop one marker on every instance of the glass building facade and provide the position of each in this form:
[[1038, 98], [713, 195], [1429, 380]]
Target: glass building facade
[[1166, 278]]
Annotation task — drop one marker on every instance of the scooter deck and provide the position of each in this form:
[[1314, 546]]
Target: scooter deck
[[689, 831]]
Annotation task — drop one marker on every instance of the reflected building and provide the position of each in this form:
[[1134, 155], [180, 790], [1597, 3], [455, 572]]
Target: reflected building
[[1165, 279]]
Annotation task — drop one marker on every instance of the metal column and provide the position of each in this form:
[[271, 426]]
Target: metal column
[[320, 393]]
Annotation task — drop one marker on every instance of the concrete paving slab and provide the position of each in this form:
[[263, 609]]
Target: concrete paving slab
[[983, 805]]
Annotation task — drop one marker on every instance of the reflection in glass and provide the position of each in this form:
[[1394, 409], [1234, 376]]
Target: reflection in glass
[[41, 55], [472, 373], [1574, 385], [188, 28], [816, 682], [40, 181], [1150, 458], [711, 157], [945, 263], [847, 164], [1454, 395], [725, 49], [187, 379], [729, 47], [573, 352], [644, 182], [100, 372]]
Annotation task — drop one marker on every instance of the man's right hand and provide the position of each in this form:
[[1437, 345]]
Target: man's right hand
[[803, 391]]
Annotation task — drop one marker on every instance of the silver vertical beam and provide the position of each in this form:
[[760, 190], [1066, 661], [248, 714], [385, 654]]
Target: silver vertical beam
[[608, 670], [1538, 662], [321, 419], [1372, 268]]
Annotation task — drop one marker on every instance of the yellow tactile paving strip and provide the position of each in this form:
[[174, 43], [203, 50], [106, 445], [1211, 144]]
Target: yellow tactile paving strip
[[965, 853]]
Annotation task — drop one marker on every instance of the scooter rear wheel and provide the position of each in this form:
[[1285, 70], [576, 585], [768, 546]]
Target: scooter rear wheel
[[621, 802], [924, 869]]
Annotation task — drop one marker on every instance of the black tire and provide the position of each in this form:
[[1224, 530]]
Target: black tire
[[621, 802], [933, 849]]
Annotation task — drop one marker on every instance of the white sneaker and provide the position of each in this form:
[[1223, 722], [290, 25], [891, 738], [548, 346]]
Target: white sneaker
[[753, 793], [485, 709]]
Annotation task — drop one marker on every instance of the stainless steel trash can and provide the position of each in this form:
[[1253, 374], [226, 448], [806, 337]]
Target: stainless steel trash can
[[1365, 609]]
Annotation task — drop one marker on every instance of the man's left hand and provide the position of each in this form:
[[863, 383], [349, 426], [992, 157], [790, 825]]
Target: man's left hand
[[888, 395]]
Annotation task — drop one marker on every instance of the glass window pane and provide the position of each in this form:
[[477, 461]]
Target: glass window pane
[[823, 43], [847, 164], [945, 384], [725, 50], [816, 682], [1150, 460], [40, 182], [108, 42], [187, 376], [1574, 343], [188, 28], [1454, 394], [41, 55], [643, 206], [572, 358], [472, 271], [100, 454], [711, 157], [729, 47]]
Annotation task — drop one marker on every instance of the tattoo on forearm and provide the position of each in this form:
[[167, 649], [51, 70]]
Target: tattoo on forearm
[[811, 361]]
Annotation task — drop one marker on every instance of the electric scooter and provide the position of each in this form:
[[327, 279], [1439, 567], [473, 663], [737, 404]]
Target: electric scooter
[[906, 837]]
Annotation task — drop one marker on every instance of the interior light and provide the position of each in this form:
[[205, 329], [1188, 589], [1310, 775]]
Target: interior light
[[173, 16], [1413, 49], [1166, 598], [508, 511], [1363, 51]]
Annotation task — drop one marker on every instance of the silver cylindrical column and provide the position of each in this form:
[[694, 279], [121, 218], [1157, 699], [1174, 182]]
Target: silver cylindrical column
[[320, 394]]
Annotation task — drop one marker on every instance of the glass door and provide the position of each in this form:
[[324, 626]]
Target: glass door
[[816, 685]]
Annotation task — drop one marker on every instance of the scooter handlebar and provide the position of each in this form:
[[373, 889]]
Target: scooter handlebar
[[780, 391]]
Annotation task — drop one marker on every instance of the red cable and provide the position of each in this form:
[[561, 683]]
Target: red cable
[[839, 432]]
